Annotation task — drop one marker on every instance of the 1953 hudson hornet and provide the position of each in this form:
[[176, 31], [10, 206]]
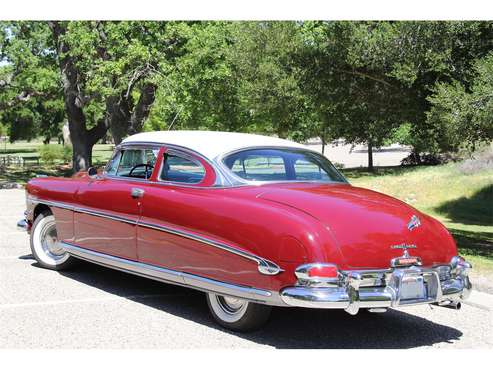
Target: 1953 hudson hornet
[[252, 221]]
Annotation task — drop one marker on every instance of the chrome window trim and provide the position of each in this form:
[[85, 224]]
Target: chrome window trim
[[224, 176], [265, 266], [175, 277]]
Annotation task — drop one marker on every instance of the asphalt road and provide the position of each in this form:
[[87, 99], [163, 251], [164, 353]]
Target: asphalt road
[[357, 156], [94, 307]]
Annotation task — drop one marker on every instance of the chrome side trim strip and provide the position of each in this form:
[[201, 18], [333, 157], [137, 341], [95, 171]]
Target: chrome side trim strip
[[265, 266], [175, 277]]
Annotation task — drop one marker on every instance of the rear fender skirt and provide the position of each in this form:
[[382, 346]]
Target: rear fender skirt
[[265, 266], [175, 277]]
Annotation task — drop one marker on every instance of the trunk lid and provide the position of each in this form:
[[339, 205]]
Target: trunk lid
[[366, 224]]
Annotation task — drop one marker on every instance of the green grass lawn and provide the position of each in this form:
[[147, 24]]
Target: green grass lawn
[[463, 202], [101, 152], [15, 173]]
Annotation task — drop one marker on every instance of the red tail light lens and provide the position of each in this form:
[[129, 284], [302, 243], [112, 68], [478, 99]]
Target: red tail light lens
[[323, 271], [318, 274]]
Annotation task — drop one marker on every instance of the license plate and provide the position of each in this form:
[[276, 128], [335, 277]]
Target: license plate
[[412, 287]]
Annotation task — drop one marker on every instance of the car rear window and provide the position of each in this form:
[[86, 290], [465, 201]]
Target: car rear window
[[282, 165]]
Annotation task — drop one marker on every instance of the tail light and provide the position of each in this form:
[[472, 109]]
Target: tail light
[[317, 274], [323, 271]]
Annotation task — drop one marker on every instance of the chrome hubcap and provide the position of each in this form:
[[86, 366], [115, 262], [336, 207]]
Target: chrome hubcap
[[49, 241], [230, 304], [228, 309]]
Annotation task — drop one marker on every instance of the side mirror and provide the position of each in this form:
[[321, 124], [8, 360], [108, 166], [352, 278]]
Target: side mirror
[[92, 171]]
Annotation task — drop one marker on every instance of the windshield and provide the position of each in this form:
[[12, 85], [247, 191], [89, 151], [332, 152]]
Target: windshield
[[282, 165]]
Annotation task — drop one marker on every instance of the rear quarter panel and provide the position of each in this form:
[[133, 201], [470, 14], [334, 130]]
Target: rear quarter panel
[[237, 218]]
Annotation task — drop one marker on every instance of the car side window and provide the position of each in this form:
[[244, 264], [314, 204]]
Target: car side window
[[137, 163], [178, 168]]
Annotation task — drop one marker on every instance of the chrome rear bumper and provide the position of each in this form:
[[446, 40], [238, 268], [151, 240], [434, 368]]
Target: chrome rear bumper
[[351, 296]]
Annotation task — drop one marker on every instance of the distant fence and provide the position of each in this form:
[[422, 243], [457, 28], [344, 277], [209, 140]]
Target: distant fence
[[13, 160]]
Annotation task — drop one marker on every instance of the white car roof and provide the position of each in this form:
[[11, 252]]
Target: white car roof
[[211, 144]]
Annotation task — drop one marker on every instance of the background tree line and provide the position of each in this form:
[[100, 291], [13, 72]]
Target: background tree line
[[425, 84]]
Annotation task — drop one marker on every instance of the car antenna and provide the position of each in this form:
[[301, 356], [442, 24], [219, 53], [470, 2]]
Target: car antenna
[[174, 119]]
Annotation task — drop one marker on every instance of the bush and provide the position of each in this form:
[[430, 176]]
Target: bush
[[51, 153], [67, 154]]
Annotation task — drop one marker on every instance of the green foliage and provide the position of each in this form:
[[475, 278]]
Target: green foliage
[[425, 84], [31, 101], [49, 153], [464, 117], [401, 135]]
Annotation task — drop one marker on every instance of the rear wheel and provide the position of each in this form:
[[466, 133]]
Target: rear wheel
[[236, 313], [45, 245]]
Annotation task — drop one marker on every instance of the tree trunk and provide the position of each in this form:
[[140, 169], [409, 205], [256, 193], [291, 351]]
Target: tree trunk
[[82, 139], [324, 142], [416, 157], [118, 116], [81, 154], [370, 156]]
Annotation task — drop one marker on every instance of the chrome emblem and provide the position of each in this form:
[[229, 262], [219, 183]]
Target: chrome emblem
[[414, 223], [405, 259], [403, 246]]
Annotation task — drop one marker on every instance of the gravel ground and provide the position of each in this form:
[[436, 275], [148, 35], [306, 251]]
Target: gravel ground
[[94, 307]]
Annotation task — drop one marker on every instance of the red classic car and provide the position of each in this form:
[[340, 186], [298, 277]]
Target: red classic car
[[252, 221]]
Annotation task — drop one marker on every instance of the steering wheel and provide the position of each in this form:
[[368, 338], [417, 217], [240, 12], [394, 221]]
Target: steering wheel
[[148, 167]]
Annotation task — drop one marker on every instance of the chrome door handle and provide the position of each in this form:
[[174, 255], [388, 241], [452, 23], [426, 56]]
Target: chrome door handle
[[137, 193]]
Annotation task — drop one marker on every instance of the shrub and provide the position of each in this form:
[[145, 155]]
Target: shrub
[[51, 153]]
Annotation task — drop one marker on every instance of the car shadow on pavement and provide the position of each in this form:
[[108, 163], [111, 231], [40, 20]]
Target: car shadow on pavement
[[287, 328]]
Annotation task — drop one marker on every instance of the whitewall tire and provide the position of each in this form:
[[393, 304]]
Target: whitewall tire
[[237, 314], [44, 244]]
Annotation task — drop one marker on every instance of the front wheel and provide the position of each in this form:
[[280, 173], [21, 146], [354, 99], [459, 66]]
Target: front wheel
[[237, 314], [45, 246]]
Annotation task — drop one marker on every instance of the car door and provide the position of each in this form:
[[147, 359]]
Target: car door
[[180, 221], [110, 205]]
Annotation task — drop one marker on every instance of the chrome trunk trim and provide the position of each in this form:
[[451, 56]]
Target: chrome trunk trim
[[175, 277]]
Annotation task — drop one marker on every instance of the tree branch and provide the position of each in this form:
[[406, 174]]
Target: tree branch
[[143, 107], [98, 131]]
